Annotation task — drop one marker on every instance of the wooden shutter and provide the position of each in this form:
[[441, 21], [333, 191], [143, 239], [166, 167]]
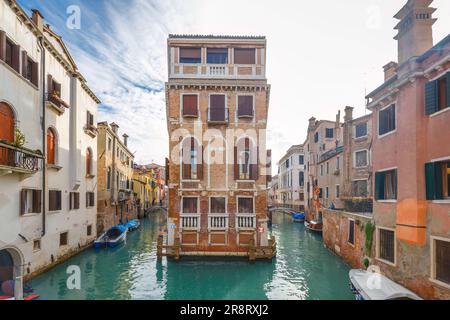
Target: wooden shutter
[[58, 199], [186, 167], [244, 56], [16, 57], [88, 161], [430, 181], [200, 162], [448, 90], [35, 74], [77, 200], [2, 45], [50, 87], [24, 64], [23, 199], [35, 201], [217, 107], [71, 200], [438, 187], [379, 185], [443, 261], [245, 106], [190, 53], [236, 164], [50, 147], [431, 97], [190, 105]]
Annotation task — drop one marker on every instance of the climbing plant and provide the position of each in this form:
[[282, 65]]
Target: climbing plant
[[369, 230], [19, 139]]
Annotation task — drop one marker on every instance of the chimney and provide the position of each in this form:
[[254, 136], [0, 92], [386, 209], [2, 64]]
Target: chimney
[[390, 70], [348, 114], [338, 119], [312, 124], [38, 19], [114, 127], [415, 29], [125, 139]]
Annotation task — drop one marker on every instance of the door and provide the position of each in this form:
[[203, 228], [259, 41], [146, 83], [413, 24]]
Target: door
[[7, 122]]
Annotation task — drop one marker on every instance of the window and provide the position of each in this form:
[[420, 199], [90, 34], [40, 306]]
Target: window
[[30, 69], [338, 163], [442, 260], [338, 191], [54, 200], [63, 239], [329, 133], [90, 199], [10, 52], [301, 160], [190, 205], [30, 201], [361, 159], [89, 120], [74, 201], [109, 144], [217, 55], [246, 164], [386, 120], [37, 245], [327, 195], [438, 180], [108, 179], [361, 130], [321, 169], [217, 205], [190, 55], [217, 110], [51, 146], [316, 137], [351, 231], [302, 196], [89, 160], [301, 178], [244, 56], [8, 121], [386, 185], [192, 160], [89, 230], [54, 91], [287, 164], [190, 105], [328, 167], [386, 245], [245, 205], [245, 106], [359, 188], [437, 94]]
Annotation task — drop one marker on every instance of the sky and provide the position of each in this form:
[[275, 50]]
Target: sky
[[322, 55]]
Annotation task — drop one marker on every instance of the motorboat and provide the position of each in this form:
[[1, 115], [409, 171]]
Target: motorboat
[[315, 226], [367, 285], [132, 225], [112, 238]]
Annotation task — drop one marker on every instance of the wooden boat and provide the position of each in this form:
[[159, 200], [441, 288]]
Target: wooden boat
[[132, 225], [298, 217], [315, 226], [112, 238], [26, 298], [367, 285]]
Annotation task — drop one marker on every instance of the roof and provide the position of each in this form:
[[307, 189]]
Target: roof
[[375, 286], [211, 36]]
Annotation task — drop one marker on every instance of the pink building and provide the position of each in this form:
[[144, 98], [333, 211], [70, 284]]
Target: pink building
[[411, 158]]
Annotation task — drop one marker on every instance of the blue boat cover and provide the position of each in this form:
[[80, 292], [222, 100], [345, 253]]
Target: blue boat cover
[[298, 216], [120, 227], [131, 224]]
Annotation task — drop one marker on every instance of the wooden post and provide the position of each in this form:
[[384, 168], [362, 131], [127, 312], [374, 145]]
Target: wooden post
[[159, 248], [177, 247], [251, 250]]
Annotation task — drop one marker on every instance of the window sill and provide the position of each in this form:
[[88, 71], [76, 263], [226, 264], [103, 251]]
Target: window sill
[[386, 201], [58, 110], [360, 138], [440, 283], [437, 113], [28, 215], [190, 116], [446, 201], [386, 262], [54, 212], [90, 176], [54, 167], [18, 74], [387, 134], [242, 180]]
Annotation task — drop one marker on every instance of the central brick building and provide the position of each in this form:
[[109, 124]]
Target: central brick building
[[217, 105]]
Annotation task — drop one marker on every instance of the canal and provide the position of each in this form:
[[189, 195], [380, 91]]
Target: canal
[[303, 269]]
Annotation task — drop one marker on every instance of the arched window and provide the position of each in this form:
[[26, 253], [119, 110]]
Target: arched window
[[88, 162], [192, 167], [7, 121], [246, 160], [108, 179], [51, 146]]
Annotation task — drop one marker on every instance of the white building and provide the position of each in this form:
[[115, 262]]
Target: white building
[[48, 182], [291, 178]]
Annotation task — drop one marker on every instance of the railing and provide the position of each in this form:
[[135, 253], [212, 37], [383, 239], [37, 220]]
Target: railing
[[16, 158], [218, 115], [190, 222], [218, 222], [217, 70], [246, 221]]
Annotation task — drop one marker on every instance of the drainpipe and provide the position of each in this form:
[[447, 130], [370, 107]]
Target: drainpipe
[[44, 137]]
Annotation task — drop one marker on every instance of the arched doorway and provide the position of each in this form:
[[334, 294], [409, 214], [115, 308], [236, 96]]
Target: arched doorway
[[11, 273]]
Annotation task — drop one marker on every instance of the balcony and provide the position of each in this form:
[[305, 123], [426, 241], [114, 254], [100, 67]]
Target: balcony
[[55, 102], [246, 221], [218, 222], [18, 160], [218, 115], [216, 71], [190, 222], [91, 130]]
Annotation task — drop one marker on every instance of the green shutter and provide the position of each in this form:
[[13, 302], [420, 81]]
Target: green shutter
[[430, 181], [379, 185], [431, 97], [439, 193], [448, 90]]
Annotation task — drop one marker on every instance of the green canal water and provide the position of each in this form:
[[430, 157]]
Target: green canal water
[[303, 269]]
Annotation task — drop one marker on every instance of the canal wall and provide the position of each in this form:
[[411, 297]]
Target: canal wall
[[337, 236]]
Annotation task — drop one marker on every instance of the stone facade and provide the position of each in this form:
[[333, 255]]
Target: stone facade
[[291, 178], [205, 183], [116, 200]]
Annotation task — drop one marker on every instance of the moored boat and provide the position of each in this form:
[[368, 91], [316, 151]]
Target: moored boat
[[375, 286], [298, 217], [315, 226], [132, 225], [112, 238]]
